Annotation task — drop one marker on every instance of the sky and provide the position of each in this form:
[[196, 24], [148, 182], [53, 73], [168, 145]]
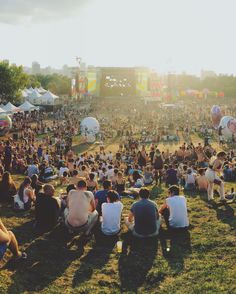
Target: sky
[[165, 35]]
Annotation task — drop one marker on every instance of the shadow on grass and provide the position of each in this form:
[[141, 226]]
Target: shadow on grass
[[48, 258], [135, 261], [226, 215], [224, 211], [96, 258], [176, 246]]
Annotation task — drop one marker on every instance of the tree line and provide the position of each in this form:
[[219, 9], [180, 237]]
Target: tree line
[[13, 79]]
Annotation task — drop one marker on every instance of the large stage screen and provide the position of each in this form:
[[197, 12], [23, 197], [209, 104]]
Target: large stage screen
[[118, 82]]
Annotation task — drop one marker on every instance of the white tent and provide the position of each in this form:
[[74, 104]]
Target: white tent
[[27, 106], [2, 110], [10, 108], [35, 97], [49, 98], [24, 93], [2, 105], [42, 90]]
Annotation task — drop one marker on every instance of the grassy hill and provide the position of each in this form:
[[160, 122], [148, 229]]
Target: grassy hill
[[200, 261]]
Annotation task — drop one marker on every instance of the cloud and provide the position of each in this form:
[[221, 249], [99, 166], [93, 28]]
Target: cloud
[[27, 11]]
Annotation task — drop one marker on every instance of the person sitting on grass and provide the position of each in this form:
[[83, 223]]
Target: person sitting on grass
[[101, 195], [7, 188], [143, 220], [47, 209], [190, 180], [25, 197], [174, 211], [8, 240], [202, 181], [111, 214], [171, 176], [92, 184], [80, 213]]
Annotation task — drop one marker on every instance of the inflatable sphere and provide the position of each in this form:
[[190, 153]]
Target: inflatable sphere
[[90, 138], [5, 124], [216, 115], [215, 109], [227, 127], [89, 126]]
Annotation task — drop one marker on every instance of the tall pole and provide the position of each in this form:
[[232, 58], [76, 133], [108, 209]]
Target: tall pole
[[78, 60]]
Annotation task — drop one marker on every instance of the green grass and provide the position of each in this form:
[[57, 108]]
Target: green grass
[[202, 261]]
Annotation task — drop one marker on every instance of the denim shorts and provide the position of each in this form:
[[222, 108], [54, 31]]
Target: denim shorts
[[3, 249]]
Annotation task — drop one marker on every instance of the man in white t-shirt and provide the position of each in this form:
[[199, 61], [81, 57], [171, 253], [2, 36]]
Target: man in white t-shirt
[[80, 214], [63, 169], [111, 214], [110, 172], [174, 211]]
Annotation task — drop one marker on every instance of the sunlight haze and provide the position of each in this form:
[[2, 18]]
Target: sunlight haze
[[166, 35]]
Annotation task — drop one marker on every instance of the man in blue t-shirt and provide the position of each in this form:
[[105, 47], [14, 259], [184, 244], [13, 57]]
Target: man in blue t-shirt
[[143, 218], [101, 196]]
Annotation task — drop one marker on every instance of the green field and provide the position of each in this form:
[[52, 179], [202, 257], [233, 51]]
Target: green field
[[202, 261]]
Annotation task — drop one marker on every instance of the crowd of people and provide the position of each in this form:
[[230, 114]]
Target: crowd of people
[[93, 184]]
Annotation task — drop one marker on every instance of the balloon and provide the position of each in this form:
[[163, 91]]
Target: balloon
[[89, 125], [215, 109], [216, 115], [227, 127], [5, 124], [91, 138]]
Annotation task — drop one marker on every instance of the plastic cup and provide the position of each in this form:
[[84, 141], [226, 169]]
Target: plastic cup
[[119, 246]]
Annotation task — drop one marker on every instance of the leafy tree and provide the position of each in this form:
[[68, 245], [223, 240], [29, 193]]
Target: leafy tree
[[12, 79], [56, 83]]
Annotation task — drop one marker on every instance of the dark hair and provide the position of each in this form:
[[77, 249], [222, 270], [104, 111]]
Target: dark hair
[[65, 174], [91, 176], [144, 193], [75, 172], [174, 190], [201, 171], [6, 179], [221, 154], [26, 181], [136, 175], [113, 196], [82, 184], [70, 187], [106, 184]]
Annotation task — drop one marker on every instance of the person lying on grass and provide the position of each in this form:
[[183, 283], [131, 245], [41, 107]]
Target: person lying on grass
[[8, 240]]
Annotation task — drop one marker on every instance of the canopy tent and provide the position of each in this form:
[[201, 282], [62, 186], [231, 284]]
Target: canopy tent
[[35, 94], [49, 98], [10, 108], [42, 90], [27, 106], [24, 93], [2, 110], [35, 97], [31, 89]]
